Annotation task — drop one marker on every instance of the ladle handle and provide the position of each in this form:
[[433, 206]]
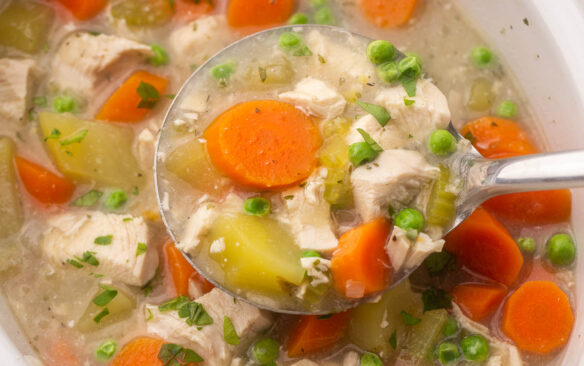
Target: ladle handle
[[537, 172]]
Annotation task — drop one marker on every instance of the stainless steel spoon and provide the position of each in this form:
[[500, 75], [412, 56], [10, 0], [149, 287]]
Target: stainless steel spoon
[[481, 178]]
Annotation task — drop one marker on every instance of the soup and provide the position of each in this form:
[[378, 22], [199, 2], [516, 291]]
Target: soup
[[91, 274]]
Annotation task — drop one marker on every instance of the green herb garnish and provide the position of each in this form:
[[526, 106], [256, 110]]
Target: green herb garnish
[[370, 141], [409, 319], [381, 114], [229, 333], [141, 249], [106, 296], [101, 315], [436, 299], [77, 138], [88, 199], [103, 240], [149, 95]]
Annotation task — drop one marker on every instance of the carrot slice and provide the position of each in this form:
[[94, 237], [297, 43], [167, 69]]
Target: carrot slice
[[388, 13], [123, 104], [187, 10], [538, 317], [478, 301], [84, 9], [141, 351], [484, 246], [361, 266], [314, 334], [182, 271], [500, 138], [263, 144], [258, 13], [60, 353], [42, 184]]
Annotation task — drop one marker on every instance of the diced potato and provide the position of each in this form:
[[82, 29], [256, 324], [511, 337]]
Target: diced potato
[[265, 74], [258, 253], [119, 309], [481, 95], [371, 325], [191, 163], [423, 337], [334, 153], [143, 12], [10, 206], [103, 155], [25, 25]]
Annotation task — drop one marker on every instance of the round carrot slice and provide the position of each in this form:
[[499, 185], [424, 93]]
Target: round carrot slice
[[388, 13], [140, 351], [538, 317], [246, 13], [263, 144]]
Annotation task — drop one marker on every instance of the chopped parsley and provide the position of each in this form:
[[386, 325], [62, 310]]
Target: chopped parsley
[[302, 51], [409, 84], [106, 296], [74, 263], [89, 258], [77, 138], [229, 333], [101, 315], [409, 319], [174, 304], [370, 141], [436, 299], [195, 314], [174, 355], [141, 249], [381, 114], [393, 339], [437, 263], [103, 240], [409, 102], [88, 199], [149, 95], [55, 134]]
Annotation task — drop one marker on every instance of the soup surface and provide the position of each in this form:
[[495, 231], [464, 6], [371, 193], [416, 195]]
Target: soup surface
[[352, 198]]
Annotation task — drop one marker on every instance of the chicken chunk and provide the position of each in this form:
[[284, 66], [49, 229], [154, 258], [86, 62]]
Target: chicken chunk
[[73, 234], [197, 41], [394, 178], [501, 353], [305, 362], [407, 254], [208, 342], [316, 97], [15, 83], [409, 125], [84, 63], [309, 214]]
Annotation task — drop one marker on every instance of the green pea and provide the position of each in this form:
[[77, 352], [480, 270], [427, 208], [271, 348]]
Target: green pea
[[116, 199], [561, 250], [416, 56], [289, 41], [482, 56], [223, 71], [410, 65], [266, 350], [526, 245], [310, 254], [360, 153], [325, 16], [442, 143], [448, 353], [298, 18], [257, 206], [63, 104], [388, 72], [380, 51], [105, 351], [450, 327], [507, 109], [160, 57], [410, 219], [370, 359], [475, 348]]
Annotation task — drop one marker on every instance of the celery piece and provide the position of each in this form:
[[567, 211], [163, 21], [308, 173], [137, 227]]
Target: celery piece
[[334, 155], [423, 337], [119, 308], [10, 206], [337, 188], [191, 163], [92, 151], [259, 254], [372, 325], [143, 12], [25, 25], [440, 209], [481, 95]]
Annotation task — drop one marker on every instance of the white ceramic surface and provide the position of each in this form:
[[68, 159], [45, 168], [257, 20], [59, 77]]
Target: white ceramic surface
[[547, 58]]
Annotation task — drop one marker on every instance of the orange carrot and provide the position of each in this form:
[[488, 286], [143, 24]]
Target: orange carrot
[[263, 144], [538, 317], [84, 9], [182, 271], [484, 246], [61, 354], [141, 351], [499, 138], [478, 301], [360, 265], [42, 184], [388, 13], [188, 10], [313, 335], [258, 13], [126, 104]]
